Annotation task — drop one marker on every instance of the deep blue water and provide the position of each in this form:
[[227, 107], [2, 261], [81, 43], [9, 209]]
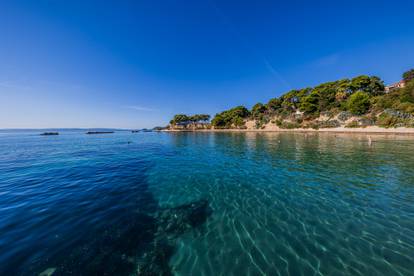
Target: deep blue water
[[206, 204]]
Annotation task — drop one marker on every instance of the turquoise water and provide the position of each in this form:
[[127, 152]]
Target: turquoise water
[[206, 204]]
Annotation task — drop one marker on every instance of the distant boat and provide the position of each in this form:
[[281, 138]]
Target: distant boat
[[135, 131], [49, 133], [99, 132]]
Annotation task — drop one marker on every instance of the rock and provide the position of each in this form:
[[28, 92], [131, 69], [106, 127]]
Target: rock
[[398, 114], [329, 124], [344, 115], [175, 221], [141, 245], [48, 272]]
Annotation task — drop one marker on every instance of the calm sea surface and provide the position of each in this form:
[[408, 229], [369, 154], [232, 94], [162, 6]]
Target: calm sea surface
[[206, 204]]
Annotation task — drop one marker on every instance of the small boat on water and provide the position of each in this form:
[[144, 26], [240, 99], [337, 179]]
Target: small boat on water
[[99, 132], [49, 133]]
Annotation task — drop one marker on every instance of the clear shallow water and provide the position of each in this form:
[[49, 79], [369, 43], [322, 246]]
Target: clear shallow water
[[206, 204]]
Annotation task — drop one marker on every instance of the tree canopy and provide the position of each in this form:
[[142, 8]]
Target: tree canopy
[[359, 96], [231, 118], [258, 109], [358, 103], [409, 75], [186, 119]]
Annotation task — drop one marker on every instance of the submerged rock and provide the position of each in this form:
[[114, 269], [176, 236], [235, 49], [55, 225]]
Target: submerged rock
[[176, 221], [156, 260], [48, 272], [140, 245], [171, 223]]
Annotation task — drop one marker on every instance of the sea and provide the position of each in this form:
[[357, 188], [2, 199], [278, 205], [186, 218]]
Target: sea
[[158, 203]]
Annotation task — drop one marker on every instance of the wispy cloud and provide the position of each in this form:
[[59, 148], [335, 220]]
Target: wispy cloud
[[140, 108], [277, 74], [8, 84]]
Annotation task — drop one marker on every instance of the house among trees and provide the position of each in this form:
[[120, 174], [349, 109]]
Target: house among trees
[[400, 84]]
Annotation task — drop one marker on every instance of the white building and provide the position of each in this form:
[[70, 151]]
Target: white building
[[400, 84]]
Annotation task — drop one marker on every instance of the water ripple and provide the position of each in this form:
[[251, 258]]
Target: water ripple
[[206, 204]]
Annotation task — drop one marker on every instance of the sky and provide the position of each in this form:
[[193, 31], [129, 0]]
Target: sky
[[134, 64]]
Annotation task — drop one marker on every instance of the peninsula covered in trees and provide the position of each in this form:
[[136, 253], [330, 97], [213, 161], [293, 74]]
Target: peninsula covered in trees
[[359, 102], [197, 121]]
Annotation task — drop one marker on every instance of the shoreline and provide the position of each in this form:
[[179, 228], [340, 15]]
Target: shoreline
[[367, 130]]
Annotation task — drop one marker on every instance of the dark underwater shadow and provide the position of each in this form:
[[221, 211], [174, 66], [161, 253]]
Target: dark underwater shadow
[[143, 245], [138, 239]]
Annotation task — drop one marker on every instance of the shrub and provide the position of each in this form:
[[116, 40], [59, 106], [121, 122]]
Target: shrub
[[278, 122], [311, 124], [367, 121], [261, 120], [290, 125], [409, 123], [314, 125], [407, 93], [238, 122], [409, 75], [388, 120], [352, 124], [358, 103], [258, 124], [405, 107]]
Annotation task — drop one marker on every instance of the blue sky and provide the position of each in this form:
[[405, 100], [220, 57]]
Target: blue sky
[[133, 64]]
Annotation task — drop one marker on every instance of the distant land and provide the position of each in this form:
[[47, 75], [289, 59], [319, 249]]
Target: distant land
[[360, 104]]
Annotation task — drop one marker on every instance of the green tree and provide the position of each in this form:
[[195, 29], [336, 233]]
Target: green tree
[[376, 87], [292, 99], [325, 93], [258, 110], [199, 118], [358, 103], [407, 93], [371, 85], [231, 117], [238, 121], [310, 103], [409, 75], [274, 104], [204, 117], [179, 118], [218, 120]]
